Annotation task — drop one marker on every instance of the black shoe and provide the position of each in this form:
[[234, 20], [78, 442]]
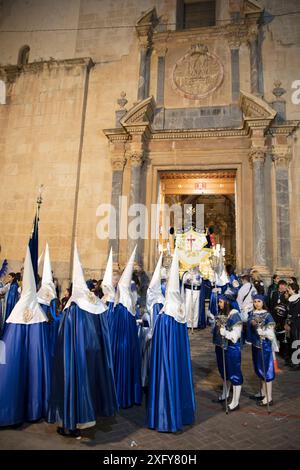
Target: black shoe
[[237, 407], [255, 397], [68, 433], [218, 400], [260, 403]]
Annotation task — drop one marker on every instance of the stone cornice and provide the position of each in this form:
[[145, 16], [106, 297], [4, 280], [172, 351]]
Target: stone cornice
[[287, 128], [116, 135], [119, 135], [258, 115], [198, 134], [9, 73]]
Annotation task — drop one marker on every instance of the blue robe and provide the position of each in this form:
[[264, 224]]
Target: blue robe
[[171, 402], [145, 347], [202, 317], [155, 311], [25, 378], [50, 311], [110, 315], [126, 357], [232, 352], [12, 298], [254, 339], [83, 386], [214, 299]]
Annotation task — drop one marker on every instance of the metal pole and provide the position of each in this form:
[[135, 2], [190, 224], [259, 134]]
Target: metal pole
[[192, 303], [264, 371], [225, 377]]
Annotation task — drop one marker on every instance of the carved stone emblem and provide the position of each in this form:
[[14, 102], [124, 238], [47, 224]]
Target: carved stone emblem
[[198, 73]]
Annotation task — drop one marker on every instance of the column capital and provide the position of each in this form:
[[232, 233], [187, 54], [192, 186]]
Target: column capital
[[234, 39], [145, 41], [160, 49], [281, 156], [117, 162], [135, 157], [257, 155], [252, 33]]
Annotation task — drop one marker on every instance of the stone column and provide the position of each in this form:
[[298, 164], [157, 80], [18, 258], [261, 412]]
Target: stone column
[[257, 159], [161, 50], [136, 160], [144, 72], [118, 163], [234, 45], [254, 57], [281, 159]]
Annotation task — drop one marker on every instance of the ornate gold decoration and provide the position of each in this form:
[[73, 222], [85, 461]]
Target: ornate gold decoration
[[91, 297], [198, 73], [199, 175], [47, 295], [27, 315]]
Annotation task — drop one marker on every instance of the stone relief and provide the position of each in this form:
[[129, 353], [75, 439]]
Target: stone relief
[[198, 73]]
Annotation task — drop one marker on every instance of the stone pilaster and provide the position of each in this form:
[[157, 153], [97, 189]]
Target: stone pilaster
[[257, 158], [144, 29], [281, 158], [234, 44], [254, 58], [135, 159], [117, 162], [143, 84], [161, 50]]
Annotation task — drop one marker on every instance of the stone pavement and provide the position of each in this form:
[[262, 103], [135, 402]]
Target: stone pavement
[[248, 428]]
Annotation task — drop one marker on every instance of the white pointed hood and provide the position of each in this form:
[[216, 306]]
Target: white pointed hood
[[47, 291], [81, 295], [27, 310], [174, 305], [107, 282], [154, 292], [124, 294], [40, 260]]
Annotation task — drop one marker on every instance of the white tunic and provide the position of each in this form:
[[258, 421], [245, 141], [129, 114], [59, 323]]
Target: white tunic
[[191, 299]]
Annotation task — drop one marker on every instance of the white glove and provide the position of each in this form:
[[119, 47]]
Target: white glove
[[260, 332], [216, 290], [222, 331]]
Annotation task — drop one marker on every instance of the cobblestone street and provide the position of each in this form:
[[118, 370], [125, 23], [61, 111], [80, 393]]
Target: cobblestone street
[[248, 428]]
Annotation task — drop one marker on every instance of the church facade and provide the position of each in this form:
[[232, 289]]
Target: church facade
[[151, 102]]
